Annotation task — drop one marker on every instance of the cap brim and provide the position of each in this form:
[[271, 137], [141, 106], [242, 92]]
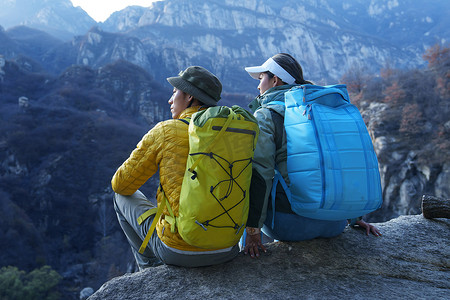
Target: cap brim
[[189, 88], [274, 68], [255, 71]]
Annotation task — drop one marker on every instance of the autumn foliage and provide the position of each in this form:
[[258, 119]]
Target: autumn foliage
[[418, 101]]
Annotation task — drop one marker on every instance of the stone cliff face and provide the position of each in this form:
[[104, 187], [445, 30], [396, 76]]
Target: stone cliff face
[[406, 174], [328, 37], [97, 48], [410, 260], [228, 36], [405, 180]]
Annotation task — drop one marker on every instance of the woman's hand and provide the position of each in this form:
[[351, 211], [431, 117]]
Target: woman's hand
[[253, 242], [369, 228]]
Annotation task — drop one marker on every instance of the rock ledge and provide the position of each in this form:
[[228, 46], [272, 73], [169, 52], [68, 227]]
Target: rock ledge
[[411, 260]]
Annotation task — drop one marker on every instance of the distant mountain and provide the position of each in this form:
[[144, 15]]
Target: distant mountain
[[32, 42], [57, 17], [8, 47], [329, 38]]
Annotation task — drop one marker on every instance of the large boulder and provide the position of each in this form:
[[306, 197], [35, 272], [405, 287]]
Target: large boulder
[[411, 260]]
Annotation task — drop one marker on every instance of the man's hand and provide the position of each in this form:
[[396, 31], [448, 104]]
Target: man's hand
[[253, 242]]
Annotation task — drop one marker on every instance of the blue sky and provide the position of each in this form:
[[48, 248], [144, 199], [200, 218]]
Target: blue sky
[[100, 10]]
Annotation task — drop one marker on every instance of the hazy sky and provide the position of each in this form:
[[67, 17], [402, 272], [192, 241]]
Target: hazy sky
[[100, 10]]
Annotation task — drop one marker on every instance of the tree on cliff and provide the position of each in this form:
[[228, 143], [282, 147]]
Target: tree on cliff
[[418, 102]]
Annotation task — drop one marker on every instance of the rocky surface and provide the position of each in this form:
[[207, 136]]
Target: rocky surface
[[411, 260]]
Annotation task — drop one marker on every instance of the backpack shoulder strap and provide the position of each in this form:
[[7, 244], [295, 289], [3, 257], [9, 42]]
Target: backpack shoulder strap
[[185, 121], [278, 122], [275, 103], [145, 215], [278, 179]]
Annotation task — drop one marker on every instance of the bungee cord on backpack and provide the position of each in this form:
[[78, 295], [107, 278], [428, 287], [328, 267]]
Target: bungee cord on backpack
[[232, 182]]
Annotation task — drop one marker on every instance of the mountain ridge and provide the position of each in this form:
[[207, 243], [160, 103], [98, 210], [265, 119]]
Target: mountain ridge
[[57, 17], [329, 38]]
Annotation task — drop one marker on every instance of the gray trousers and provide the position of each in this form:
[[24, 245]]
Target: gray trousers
[[129, 208]]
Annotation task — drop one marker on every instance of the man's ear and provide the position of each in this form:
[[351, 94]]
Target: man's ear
[[190, 98]]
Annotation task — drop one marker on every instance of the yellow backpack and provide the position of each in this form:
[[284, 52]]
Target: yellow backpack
[[214, 198]]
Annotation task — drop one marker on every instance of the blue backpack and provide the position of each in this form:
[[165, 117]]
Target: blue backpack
[[331, 162]]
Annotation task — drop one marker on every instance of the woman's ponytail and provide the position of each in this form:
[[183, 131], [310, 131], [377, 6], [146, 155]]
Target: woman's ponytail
[[291, 65]]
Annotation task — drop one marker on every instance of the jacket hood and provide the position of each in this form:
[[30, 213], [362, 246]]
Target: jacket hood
[[273, 94]]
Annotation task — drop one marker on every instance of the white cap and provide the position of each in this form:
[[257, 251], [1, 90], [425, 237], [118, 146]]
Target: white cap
[[274, 68]]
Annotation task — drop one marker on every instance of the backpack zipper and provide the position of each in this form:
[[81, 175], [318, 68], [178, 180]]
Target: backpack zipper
[[319, 146], [307, 111]]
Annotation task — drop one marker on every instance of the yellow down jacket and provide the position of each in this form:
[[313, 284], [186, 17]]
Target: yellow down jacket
[[165, 146]]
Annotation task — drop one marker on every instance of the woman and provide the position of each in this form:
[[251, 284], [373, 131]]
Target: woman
[[165, 147], [277, 76]]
